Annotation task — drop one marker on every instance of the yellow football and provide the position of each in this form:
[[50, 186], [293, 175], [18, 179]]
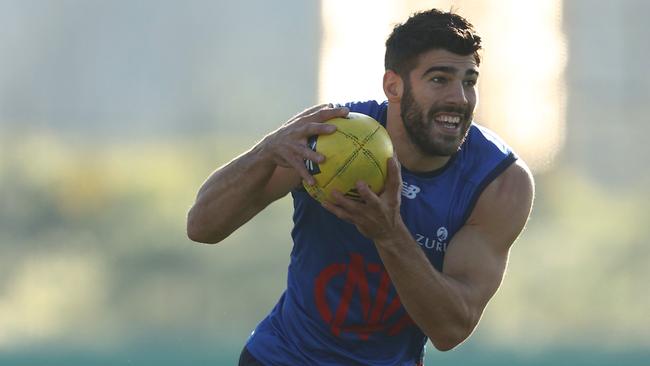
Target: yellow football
[[358, 150]]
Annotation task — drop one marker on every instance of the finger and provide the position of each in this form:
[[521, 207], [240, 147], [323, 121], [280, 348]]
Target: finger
[[299, 166], [347, 204], [337, 211], [367, 195], [309, 154], [315, 128], [327, 113], [310, 110], [393, 184]]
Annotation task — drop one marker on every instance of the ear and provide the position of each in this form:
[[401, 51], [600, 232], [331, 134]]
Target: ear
[[393, 86]]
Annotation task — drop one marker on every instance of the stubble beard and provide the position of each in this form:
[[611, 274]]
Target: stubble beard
[[420, 129]]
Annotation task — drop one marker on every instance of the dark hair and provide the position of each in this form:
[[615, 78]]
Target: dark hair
[[429, 30]]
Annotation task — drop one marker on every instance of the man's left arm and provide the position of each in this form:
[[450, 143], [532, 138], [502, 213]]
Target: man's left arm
[[447, 306]]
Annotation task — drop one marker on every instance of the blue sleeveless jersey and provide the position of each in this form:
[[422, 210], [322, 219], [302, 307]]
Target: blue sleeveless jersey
[[340, 307]]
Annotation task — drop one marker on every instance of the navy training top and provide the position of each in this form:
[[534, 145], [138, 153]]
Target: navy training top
[[340, 307]]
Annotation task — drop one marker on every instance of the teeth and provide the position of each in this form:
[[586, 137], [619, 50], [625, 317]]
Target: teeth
[[449, 119]]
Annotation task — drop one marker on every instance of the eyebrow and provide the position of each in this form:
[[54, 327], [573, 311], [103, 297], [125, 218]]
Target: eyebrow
[[448, 70]]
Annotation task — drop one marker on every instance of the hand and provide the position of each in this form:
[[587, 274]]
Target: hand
[[287, 145], [378, 216]]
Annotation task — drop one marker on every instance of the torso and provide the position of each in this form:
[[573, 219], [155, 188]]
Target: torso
[[339, 306]]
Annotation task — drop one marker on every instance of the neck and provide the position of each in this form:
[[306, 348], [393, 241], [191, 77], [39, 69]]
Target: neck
[[408, 154]]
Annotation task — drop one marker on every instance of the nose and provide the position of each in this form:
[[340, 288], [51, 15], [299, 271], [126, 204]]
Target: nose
[[456, 94]]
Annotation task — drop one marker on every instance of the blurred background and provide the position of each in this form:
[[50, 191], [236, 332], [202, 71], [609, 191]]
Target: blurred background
[[112, 113]]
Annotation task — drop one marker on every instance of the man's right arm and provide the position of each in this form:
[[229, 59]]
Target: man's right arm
[[236, 192]]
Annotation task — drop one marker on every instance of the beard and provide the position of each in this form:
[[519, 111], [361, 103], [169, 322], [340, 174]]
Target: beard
[[421, 129]]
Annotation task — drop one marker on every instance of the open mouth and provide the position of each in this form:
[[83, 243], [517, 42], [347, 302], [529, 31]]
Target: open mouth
[[448, 122]]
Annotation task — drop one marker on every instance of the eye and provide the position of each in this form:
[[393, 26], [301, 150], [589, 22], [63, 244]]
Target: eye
[[469, 82], [438, 79]]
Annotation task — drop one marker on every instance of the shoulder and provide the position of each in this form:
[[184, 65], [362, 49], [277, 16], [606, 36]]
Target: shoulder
[[484, 155], [505, 204], [482, 159], [514, 188], [484, 143]]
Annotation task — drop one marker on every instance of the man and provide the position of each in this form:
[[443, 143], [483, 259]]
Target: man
[[369, 282]]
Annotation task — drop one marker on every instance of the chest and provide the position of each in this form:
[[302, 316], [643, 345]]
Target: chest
[[433, 210]]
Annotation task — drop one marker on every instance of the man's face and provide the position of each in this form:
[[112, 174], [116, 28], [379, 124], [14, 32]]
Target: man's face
[[438, 102]]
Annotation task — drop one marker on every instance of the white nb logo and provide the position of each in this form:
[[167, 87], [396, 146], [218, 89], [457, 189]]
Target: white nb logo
[[409, 191]]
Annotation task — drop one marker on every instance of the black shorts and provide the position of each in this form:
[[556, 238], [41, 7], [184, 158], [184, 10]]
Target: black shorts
[[246, 359]]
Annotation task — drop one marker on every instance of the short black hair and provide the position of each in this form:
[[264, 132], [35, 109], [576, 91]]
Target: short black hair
[[429, 30]]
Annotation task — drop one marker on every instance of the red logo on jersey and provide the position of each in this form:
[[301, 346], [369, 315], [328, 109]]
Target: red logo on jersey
[[378, 318]]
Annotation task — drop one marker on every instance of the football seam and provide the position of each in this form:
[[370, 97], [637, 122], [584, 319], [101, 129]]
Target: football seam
[[352, 156], [370, 155]]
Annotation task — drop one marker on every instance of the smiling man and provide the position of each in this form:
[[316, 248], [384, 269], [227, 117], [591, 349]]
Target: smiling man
[[369, 282]]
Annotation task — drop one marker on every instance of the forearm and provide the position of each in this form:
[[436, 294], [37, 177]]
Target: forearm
[[230, 197], [437, 303], [238, 191]]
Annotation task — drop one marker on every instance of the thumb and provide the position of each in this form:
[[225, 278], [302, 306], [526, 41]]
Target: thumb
[[393, 185]]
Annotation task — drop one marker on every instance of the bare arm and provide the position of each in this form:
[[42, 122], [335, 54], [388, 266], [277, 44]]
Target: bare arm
[[237, 191], [447, 306]]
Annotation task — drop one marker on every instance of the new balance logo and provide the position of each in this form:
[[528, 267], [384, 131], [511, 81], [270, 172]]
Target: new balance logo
[[410, 191]]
